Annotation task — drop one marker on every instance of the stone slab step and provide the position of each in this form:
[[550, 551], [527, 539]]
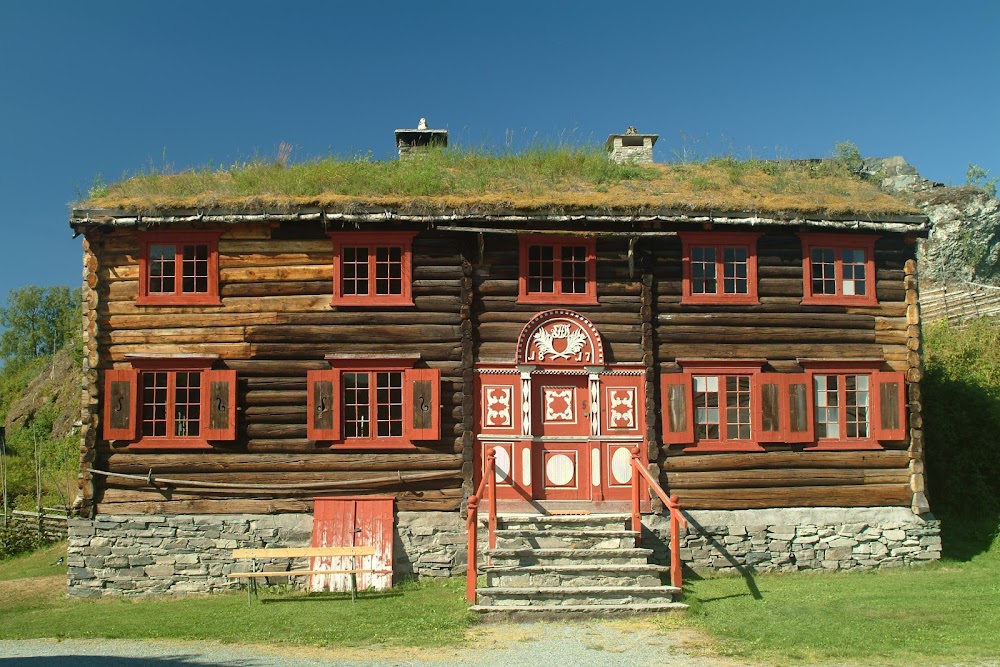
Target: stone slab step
[[579, 590], [550, 521], [596, 609], [576, 575], [557, 538], [617, 556]]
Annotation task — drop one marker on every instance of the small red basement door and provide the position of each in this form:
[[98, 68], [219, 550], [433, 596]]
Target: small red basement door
[[352, 521]]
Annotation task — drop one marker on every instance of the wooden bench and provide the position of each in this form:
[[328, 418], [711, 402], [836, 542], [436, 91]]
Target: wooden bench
[[257, 572]]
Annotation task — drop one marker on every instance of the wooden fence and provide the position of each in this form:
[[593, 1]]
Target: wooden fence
[[53, 522], [959, 303]]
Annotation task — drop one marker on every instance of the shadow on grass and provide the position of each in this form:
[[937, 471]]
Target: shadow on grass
[[332, 597], [963, 537]]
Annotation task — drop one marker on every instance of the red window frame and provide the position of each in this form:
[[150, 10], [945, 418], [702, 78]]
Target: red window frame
[[557, 243], [841, 370], [722, 370], [171, 366], [409, 435], [719, 242], [838, 243], [373, 243], [179, 239]]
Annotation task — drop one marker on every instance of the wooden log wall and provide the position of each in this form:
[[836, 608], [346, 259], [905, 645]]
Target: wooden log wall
[[781, 330], [499, 319], [275, 324]]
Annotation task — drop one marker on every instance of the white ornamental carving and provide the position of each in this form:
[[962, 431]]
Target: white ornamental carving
[[575, 337], [566, 396], [497, 405], [622, 408]]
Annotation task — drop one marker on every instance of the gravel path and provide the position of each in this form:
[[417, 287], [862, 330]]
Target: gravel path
[[557, 644]]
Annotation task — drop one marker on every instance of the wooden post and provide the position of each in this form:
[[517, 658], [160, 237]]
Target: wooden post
[[676, 578], [471, 574], [636, 481]]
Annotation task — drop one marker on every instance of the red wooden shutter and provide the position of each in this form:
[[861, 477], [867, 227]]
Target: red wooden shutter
[[771, 408], [218, 405], [121, 398], [678, 409], [889, 406], [423, 403], [323, 405], [799, 410]]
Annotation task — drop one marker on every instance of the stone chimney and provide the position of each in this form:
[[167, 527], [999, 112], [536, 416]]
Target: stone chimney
[[631, 147], [413, 142]]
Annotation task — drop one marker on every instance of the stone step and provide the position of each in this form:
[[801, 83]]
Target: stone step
[[522, 557], [565, 539], [578, 595], [595, 609], [577, 575], [545, 522]]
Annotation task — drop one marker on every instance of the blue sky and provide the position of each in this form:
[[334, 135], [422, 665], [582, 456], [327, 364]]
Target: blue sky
[[106, 88]]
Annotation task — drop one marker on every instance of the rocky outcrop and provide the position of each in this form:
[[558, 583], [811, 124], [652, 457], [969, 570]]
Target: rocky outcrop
[[57, 385], [964, 244]]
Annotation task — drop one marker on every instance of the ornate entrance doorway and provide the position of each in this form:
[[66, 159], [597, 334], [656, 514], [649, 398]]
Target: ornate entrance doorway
[[561, 420]]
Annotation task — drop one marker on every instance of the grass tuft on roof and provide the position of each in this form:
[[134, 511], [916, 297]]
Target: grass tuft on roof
[[539, 179]]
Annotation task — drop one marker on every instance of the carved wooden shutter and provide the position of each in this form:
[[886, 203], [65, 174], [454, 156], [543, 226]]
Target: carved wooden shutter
[[678, 409], [422, 409], [218, 405], [799, 424], [323, 405], [889, 406], [121, 398], [771, 408]]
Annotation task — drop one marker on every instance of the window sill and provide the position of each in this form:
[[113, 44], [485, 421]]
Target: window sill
[[844, 445], [558, 299], [369, 445], [167, 443], [724, 447], [173, 300], [371, 301], [717, 300], [835, 300]]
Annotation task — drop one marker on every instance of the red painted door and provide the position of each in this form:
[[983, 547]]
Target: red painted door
[[349, 522], [561, 426]]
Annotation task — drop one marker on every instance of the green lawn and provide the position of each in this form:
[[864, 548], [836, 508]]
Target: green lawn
[[426, 614], [947, 611]]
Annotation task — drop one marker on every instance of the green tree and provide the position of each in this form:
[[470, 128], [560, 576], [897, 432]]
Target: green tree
[[38, 321]]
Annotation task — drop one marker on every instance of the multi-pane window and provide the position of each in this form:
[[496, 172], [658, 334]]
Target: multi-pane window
[[839, 269], [179, 268], [372, 268], [722, 407], [557, 270], [171, 404], [719, 267], [842, 406], [362, 405]]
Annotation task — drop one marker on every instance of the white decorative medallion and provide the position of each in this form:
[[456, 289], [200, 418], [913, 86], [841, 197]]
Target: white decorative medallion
[[502, 462], [559, 470], [621, 465], [621, 408], [559, 404], [496, 405], [561, 340]]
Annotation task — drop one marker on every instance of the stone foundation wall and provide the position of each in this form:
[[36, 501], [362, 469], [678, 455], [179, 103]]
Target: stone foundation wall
[[786, 540], [136, 555]]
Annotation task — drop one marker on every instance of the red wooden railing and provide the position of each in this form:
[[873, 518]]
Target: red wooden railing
[[676, 518], [472, 521]]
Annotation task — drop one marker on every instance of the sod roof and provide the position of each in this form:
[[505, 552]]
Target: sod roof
[[540, 181]]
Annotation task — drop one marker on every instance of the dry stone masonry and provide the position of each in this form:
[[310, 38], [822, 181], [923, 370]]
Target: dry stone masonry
[[137, 555], [787, 540]]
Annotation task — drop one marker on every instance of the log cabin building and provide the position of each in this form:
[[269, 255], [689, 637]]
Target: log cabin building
[[327, 374]]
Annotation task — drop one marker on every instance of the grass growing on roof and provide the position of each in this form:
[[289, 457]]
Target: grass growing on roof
[[540, 178]]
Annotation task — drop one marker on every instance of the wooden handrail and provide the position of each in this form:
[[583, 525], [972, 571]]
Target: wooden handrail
[[472, 521], [676, 518]]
